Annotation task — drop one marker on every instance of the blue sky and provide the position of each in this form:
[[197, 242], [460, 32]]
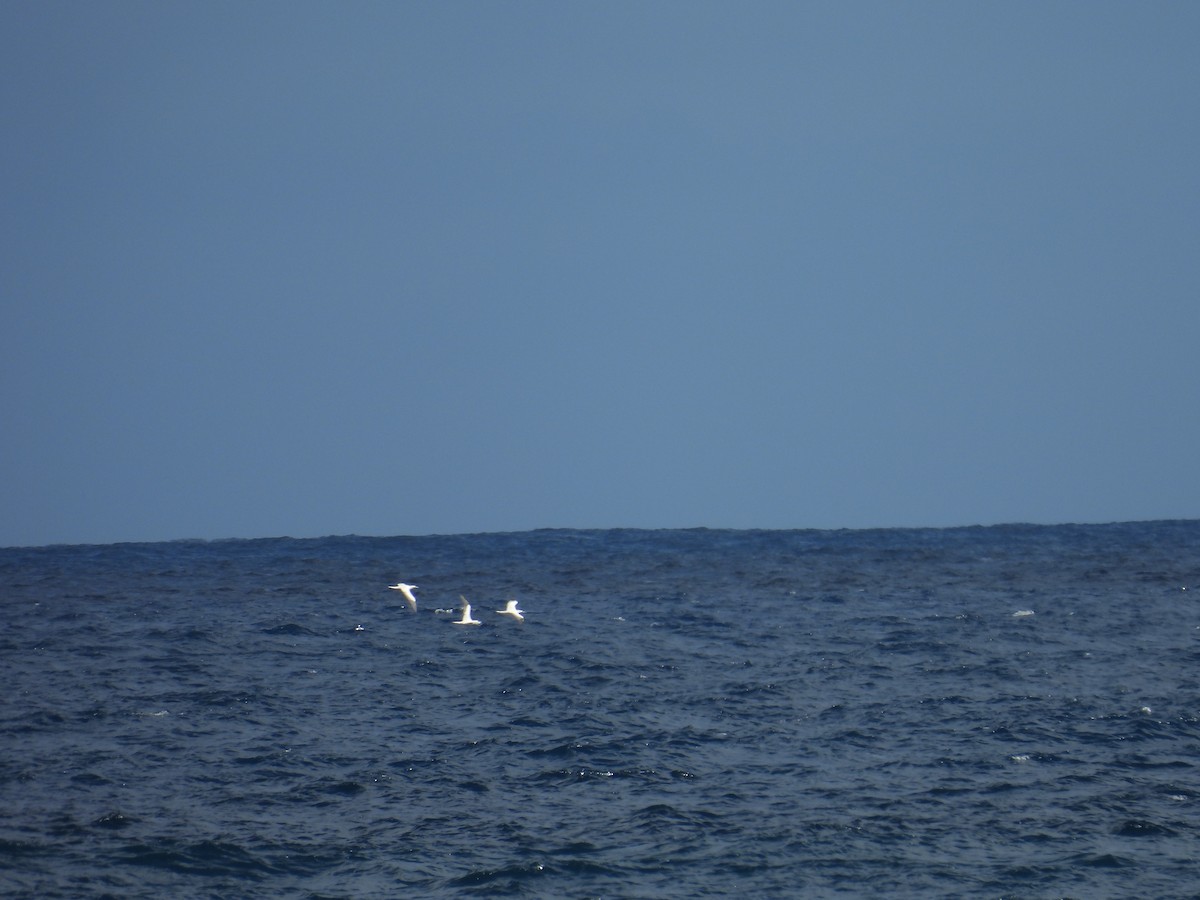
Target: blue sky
[[406, 268]]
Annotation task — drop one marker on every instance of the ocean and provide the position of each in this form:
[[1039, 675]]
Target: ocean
[[1008, 711]]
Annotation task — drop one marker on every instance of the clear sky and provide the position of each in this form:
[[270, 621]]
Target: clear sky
[[425, 267]]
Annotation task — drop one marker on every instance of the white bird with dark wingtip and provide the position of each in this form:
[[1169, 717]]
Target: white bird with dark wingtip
[[511, 610], [466, 614], [407, 591]]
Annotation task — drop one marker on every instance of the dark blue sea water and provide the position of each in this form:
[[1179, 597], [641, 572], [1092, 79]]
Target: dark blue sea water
[[692, 713]]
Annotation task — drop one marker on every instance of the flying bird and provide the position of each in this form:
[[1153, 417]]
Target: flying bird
[[466, 613], [511, 610], [407, 591]]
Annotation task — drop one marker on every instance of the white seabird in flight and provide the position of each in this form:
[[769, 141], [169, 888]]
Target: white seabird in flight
[[407, 591], [511, 610], [466, 614]]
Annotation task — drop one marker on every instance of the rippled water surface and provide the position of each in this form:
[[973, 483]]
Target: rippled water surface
[[992, 712]]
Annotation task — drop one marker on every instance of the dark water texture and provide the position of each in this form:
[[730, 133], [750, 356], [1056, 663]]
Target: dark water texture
[[692, 713]]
